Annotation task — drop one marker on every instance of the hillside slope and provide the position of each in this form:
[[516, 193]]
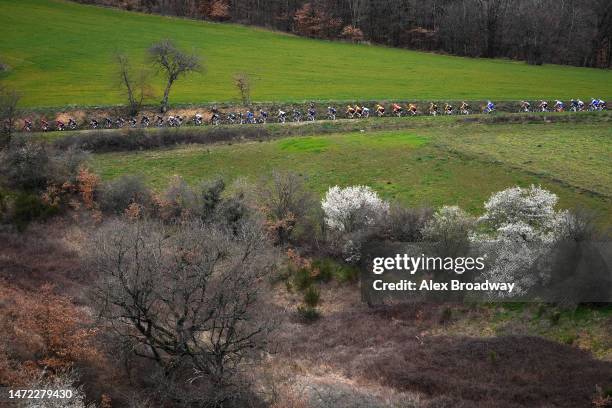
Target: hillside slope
[[60, 53]]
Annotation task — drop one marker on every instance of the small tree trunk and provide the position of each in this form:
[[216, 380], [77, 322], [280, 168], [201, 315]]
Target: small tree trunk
[[164, 102]]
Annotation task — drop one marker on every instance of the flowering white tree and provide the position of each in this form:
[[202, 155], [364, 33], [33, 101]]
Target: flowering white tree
[[352, 208], [533, 206], [521, 227]]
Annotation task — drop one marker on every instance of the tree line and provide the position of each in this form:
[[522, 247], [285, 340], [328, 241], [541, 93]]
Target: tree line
[[537, 31]]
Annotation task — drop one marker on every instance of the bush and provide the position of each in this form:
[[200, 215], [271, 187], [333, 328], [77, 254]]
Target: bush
[[287, 204], [302, 279], [406, 224], [352, 208], [138, 139], [449, 230], [33, 166], [29, 207], [208, 197], [312, 295], [26, 166], [308, 313], [117, 195]]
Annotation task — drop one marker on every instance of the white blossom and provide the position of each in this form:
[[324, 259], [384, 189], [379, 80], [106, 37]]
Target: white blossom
[[352, 208], [521, 227]]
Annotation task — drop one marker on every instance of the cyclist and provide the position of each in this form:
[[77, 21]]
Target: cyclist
[[312, 113], [263, 116], [525, 106], [412, 108], [331, 113], [397, 109], [433, 109], [297, 115], [144, 121]]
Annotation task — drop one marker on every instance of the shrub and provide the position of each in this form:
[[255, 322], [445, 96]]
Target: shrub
[[406, 224], [302, 279], [352, 208], [326, 267], [312, 295], [32, 166], [287, 204], [26, 166], [29, 207], [352, 33], [178, 201], [449, 230], [308, 313], [208, 197], [64, 380], [117, 195]]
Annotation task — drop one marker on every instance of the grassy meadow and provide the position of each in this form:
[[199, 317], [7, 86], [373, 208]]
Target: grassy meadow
[[462, 164], [61, 54]]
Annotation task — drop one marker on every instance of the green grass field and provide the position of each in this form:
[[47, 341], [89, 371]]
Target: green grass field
[[460, 165], [60, 54]]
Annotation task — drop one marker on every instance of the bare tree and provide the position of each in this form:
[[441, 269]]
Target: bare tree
[[9, 99], [242, 81], [134, 84], [184, 296], [357, 8], [493, 13], [173, 63]]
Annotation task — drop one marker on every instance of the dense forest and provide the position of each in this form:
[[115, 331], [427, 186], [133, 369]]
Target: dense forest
[[537, 31]]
